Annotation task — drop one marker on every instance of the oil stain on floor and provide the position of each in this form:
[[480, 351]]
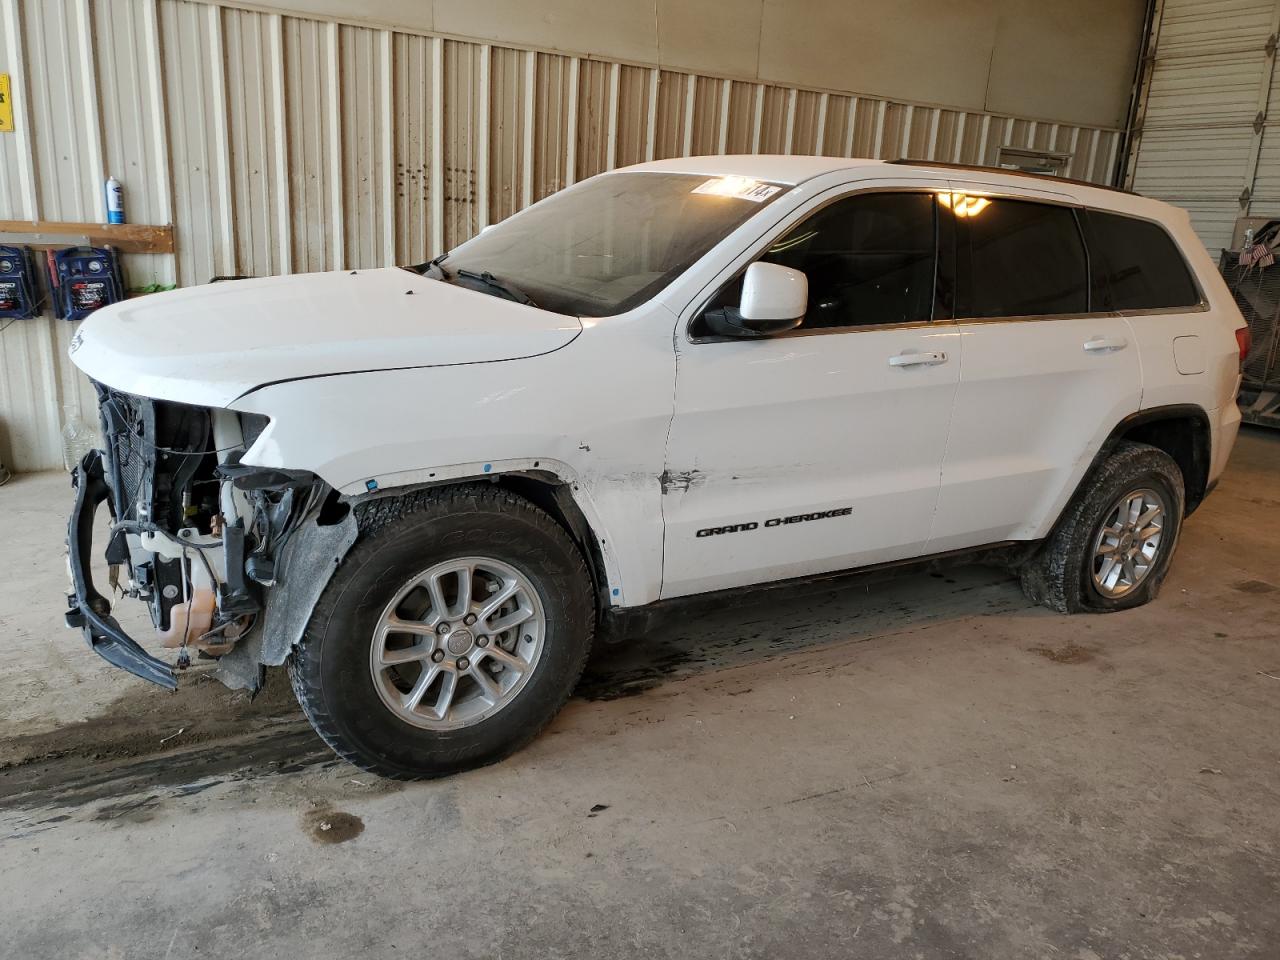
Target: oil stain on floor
[[1066, 654], [331, 826]]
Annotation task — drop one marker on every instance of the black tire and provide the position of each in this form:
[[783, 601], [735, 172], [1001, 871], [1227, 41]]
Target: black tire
[[1060, 574], [400, 538]]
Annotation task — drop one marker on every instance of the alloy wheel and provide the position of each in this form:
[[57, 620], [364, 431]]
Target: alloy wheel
[[457, 643], [1128, 543]]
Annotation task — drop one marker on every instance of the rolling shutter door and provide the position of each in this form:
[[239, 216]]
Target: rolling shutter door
[[1202, 139]]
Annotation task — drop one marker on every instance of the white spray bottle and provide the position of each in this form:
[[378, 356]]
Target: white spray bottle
[[115, 200]]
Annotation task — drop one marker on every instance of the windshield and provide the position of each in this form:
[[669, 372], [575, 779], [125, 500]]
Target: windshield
[[608, 244]]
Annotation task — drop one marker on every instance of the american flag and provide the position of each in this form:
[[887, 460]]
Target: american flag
[[1260, 254]]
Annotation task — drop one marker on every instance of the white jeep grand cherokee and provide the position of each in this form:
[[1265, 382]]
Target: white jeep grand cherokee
[[427, 489]]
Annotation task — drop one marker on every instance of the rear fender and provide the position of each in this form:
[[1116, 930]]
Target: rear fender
[[1137, 426]]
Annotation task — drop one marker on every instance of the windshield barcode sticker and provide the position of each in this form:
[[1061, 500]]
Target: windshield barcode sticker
[[740, 188]]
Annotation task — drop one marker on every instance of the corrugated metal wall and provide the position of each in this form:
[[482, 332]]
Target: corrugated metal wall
[[1203, 140], [276, 144]]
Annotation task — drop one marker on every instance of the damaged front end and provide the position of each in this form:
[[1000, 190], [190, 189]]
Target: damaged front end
[[230, 558]]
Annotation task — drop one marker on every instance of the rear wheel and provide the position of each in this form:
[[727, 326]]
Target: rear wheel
[[1112, 548], [454, 630]]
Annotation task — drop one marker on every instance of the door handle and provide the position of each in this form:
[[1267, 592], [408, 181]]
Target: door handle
[[1105, 344], [917, 359]]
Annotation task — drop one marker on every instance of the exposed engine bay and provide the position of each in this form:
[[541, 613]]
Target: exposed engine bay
[[199, 537]]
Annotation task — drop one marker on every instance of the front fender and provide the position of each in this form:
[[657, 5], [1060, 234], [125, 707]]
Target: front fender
[[593, 416], [613, 484]]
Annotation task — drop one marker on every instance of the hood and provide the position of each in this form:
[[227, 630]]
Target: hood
[[209, 345]]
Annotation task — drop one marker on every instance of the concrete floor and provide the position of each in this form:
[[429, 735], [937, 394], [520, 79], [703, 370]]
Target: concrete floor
[[928, 768]]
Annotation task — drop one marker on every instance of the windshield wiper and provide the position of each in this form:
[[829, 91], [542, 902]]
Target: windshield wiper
[[506, 290], [425, 268], [493, 283]]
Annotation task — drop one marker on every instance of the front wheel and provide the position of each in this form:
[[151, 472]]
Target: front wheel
[[1112, 548], [455, 629]]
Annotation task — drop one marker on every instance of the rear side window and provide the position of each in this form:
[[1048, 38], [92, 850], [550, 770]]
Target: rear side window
[[1136, 265], [1018, 258]]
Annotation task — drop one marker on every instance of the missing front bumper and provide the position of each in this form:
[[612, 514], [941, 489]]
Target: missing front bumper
[[89, 611]]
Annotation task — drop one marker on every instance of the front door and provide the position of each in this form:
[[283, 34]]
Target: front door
[[819, 449]]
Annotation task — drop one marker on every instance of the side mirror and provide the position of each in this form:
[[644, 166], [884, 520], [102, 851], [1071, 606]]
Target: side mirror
[[774, 300]]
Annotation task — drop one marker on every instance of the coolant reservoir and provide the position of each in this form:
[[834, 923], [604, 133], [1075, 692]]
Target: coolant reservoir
[[191, 619], [188, 622]]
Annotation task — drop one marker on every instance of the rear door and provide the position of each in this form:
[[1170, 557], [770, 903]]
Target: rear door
[[1047, 373]]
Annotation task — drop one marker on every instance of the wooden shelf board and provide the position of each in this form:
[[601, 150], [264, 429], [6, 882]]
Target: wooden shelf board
[[53, 234]]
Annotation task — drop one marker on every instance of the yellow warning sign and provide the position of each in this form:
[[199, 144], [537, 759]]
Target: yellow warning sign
[[6, 105]]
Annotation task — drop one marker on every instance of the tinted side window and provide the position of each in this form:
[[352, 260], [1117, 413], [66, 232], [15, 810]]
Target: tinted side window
[[869, 259], [1020, 259], [1137, 265]]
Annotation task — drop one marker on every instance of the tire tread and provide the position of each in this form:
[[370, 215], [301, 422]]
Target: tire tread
[[1051, 576]]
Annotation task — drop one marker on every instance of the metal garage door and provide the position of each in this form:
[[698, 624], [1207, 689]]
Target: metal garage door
[[1202, 138]]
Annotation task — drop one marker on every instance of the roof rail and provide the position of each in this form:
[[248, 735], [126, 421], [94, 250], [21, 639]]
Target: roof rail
[[979, 168]]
